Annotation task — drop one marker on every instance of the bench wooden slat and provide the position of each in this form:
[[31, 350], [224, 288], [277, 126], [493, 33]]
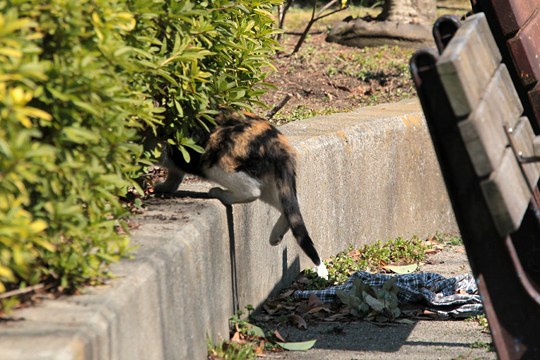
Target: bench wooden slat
[[512, 14], [472, 54], [507, 194], [525, 49], [483, 131], [523, 138]]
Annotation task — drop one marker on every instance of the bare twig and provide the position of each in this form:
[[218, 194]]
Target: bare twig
[[314, 18], [306, 30], [325, 7], [330, 13], [282, 11], [278, 107], [22, 291]]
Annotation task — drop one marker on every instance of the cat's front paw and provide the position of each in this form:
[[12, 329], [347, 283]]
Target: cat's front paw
[[215, 192], [220, 194], [165, 188]]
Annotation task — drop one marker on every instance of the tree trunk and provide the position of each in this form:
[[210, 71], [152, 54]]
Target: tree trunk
[[409, 11], [402, 22]]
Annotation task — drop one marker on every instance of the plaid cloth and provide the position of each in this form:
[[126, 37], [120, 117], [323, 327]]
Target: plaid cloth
[[448, 297]]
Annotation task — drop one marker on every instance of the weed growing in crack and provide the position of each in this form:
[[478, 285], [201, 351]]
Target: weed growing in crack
[[370, 258]]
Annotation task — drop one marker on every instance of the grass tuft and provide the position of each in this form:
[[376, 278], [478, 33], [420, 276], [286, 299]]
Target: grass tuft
[[370, 258]]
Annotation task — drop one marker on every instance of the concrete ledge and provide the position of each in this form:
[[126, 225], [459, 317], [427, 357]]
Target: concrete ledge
[[363, 176]]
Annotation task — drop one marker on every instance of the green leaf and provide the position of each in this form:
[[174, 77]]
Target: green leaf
[[376, 304], [402, 269], [80, 136], [45, 244], [6, 273], [297, 346], [190, 143], [255, 330], [185, 153], [87, 107]]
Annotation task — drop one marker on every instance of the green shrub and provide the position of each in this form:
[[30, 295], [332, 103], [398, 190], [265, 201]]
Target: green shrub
[[197, 56], [65, 150], [83, 84]]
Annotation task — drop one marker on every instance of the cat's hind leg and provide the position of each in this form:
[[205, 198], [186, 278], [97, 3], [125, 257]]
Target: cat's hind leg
[[241, 188], [270, 196], [279, 230]]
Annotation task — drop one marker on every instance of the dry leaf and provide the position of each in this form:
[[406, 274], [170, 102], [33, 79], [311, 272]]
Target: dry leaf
[[319, 316], [287, 293], [260, 349], [314, 301], [302, 308], [318, 309], [278, 336], [334, 317], [298, 321], [237, 337], [270, 310]]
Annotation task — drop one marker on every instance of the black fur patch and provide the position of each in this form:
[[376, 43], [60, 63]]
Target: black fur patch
[[191, 167], [264, 154]]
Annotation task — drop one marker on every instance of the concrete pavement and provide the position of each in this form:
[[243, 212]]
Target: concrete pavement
[[425, 339]]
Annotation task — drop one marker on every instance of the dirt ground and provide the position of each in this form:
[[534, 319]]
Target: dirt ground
[[325, 77]]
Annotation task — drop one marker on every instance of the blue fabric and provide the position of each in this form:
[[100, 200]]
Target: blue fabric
[[448, 297]]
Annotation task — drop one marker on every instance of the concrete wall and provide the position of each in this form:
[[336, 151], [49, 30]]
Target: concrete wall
[[363, 176]]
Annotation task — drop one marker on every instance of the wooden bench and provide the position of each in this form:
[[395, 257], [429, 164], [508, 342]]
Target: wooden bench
[[487, 151], [515, 25]]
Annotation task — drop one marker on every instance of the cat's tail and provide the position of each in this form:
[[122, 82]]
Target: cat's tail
[[286, 186]]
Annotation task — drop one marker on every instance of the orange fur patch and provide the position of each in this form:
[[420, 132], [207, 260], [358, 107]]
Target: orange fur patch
[[241, 143]]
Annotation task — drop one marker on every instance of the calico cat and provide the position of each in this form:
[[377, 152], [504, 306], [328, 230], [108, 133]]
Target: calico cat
[[252, 160]]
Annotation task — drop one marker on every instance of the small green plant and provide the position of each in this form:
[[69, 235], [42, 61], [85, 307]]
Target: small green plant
[[231, 351], [301, 113], [370, 303], [482, 345], [369, 258], [480, 320], [370, 64], [239, 323], [453, 240], [247, 340]]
